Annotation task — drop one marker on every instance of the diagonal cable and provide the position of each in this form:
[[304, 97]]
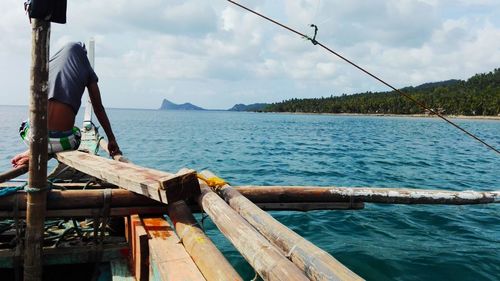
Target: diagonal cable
[[422, 105]]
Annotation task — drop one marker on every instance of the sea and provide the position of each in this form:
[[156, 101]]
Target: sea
[[379, 242]]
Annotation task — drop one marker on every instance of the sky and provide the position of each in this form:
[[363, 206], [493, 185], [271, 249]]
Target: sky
[[214, 54]]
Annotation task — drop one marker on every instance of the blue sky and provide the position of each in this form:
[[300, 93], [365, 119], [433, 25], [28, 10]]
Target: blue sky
[[214, 54]]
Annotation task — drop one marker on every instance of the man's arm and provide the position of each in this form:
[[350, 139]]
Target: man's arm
[[100, 113]]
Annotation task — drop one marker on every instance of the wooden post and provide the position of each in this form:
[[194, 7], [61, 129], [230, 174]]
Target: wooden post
[[37, 181], [316, 263], [212, 264], [139, 249], [268, 262]]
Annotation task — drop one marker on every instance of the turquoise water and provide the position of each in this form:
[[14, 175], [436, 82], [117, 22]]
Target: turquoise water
[[381, 242]]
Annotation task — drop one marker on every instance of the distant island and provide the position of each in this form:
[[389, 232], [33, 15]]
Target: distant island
[[477, 96], [168, 105], [249, 107]]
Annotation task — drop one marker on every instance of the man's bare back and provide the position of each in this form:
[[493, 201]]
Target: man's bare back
[[60, 118], [69, 74]]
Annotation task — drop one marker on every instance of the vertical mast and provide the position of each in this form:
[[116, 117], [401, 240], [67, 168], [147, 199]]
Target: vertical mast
[[37, 180], [87, 119], [90, 137]]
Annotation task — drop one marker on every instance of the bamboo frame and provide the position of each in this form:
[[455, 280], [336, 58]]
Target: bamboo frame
[[313, 261], [268, 262]]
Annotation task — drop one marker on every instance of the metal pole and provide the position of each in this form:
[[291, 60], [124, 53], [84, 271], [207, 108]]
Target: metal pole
[[37, 180]]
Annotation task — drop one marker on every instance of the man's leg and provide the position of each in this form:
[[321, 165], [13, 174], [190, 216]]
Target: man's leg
[[21, 159]]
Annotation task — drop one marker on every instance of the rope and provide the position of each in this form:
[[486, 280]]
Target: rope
[[213, 182], [422, 105], [203, 217], [256, 276], [10, 190], [29, 189]]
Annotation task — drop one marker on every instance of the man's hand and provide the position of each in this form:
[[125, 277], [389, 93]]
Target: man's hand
[[113, 148]]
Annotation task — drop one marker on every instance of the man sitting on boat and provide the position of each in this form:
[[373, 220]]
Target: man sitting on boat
[[69, 73]]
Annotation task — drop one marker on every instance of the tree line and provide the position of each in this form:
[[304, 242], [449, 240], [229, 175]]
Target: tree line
[[478, 95]]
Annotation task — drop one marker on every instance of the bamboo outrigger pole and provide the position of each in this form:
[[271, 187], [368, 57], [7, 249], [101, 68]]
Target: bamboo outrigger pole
[[267, 261], [367, 194], [210, 261], [37, 180], [317, 264]]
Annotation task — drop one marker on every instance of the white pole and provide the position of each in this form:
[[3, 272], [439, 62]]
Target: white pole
[[90, 137], [87, 119]]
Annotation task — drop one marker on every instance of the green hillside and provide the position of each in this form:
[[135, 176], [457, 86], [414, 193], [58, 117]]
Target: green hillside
[[479, 95]]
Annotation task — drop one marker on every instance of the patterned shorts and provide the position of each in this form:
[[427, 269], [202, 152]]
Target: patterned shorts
[[58, 140]]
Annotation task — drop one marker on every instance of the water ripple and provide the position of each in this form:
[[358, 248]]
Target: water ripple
[[380, 242]]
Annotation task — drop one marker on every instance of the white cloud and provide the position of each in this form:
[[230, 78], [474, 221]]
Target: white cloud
[[216, 54]]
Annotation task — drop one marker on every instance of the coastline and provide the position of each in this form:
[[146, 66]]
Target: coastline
[[482, 117]]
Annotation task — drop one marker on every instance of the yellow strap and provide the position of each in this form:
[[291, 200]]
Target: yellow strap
[[213, 181]]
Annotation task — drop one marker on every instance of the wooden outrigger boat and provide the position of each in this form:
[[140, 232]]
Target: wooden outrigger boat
[[152, 248], [88, 192]]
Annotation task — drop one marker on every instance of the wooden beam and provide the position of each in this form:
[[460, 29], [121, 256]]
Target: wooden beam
[[158, 185], [118, 157], [268, 262], [366, 194], [38, 137], [139, 249], [316, 263], [212, 264], [168, 258]]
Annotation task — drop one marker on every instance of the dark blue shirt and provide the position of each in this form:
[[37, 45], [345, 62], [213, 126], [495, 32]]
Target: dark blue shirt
[[69, 73]]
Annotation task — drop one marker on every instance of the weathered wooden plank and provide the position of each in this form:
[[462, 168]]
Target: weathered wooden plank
[[120, 271], [316, 263], [212, 264], [71, 255], [118, 157], [168, 258], [139, 249], [158, 185], [267, 261], [366, 194]]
